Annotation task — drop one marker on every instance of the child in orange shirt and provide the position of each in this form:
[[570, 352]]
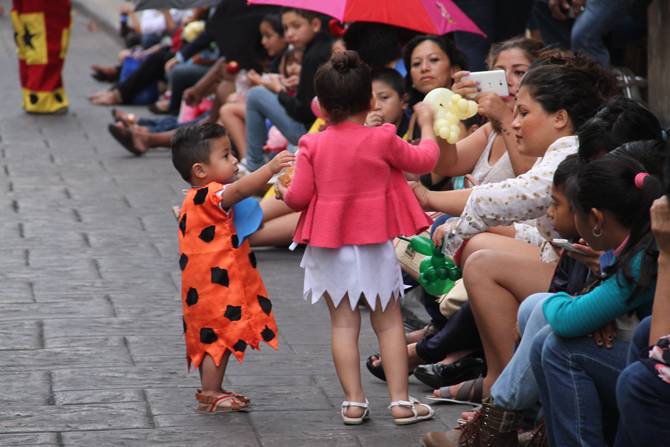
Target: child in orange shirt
[[226, 305]]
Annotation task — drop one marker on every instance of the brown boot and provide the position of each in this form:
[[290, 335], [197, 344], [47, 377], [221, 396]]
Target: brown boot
[[491, 427]]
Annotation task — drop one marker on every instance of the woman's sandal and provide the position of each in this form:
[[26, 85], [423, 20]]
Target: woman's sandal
[[378, 371], [222, 403], [359, 420], [124, 137], [470, 392], [411, 404]]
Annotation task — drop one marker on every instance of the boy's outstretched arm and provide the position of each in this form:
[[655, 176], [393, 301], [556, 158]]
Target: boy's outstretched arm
[[251, 183]]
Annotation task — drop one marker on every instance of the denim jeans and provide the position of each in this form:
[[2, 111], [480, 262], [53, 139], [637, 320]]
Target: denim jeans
[[643, 398], [577, 382], [262, 104], [586, 32], [515, 388], [181, 77]]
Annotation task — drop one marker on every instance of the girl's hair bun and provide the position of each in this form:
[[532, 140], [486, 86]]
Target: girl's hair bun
[[345, 61]]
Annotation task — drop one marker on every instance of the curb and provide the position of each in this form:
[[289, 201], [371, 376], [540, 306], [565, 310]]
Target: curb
[[103, 23]]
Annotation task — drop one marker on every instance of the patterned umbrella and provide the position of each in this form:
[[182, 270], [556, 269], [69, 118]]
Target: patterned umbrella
[[427, 16]]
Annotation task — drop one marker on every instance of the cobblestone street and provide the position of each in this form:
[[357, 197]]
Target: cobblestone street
[[91, 352]]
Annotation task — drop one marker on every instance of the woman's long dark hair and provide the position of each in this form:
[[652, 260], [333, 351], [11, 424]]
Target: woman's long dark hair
[[575, 84], [609, 184]]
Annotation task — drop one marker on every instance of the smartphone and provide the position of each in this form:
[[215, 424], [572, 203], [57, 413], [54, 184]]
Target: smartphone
[[493, 81], [566, 245]]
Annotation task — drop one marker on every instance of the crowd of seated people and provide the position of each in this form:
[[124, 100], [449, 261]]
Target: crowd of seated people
[[550, 339]]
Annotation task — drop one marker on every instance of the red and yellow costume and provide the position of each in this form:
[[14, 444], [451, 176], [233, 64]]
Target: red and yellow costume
[[226, 305], [42, 33]]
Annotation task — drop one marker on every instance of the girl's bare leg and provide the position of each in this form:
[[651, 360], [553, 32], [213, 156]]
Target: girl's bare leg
[[273, 208], [231, 116], [346, 327], [277, 232], [497, 281], [390, 332]]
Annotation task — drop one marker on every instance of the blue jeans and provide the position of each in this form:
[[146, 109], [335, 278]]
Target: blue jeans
[[515, 388], [586, 32], [643, 398], [181, 77], [262, 104], [577, 381]]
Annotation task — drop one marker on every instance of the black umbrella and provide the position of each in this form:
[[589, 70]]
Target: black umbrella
[[177, 4]]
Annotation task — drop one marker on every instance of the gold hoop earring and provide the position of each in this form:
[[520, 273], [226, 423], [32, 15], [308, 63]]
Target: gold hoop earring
[[596, 232]]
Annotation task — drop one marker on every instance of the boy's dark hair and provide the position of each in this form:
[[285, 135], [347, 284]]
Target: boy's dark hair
[[618, 121], [608, 183], [575, 84], [390, 77], [307, 14], [376, 43], [343, 86], [456, 58], [190, 145], [274, 20], [566, 169]]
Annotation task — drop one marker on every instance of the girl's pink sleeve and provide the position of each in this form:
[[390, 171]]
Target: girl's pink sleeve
[[410, 158], [301, 189]]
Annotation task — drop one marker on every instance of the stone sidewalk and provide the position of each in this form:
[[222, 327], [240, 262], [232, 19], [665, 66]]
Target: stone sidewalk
[[91, 351]]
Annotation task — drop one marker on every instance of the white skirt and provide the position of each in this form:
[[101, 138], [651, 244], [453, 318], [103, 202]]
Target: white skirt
[[357, 271]]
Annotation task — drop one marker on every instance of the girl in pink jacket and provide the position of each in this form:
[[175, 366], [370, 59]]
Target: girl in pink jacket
[[354, 199]]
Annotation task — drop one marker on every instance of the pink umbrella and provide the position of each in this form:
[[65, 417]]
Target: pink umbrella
[[426, 16]]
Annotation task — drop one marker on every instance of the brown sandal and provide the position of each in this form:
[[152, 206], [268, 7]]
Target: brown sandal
[[222, 403]]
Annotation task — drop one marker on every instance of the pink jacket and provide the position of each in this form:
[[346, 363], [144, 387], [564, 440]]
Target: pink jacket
[[350, 187]]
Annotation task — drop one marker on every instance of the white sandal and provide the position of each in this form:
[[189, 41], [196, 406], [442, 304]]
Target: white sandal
[[411, 404], [355, 421]]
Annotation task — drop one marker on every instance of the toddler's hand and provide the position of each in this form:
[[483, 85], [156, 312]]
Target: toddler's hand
[[291, 82], [254, 78], [283, 160], [280, 191], [273, 84], [424, 113]]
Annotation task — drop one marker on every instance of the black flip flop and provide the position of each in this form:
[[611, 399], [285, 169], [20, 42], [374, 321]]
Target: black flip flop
[[377, 371], [124, 138]]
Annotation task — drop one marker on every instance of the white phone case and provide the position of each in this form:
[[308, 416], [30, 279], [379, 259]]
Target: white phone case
[[493, 81]]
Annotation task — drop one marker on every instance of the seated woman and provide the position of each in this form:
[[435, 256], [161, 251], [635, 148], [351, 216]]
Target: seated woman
[[643, 388], [618, 121], [489, 155]]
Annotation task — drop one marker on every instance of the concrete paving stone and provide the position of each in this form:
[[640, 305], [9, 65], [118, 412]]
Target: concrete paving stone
[[20, 334], [123, 378], [193, 421], [50, 418], [97, 397], [142, 346], [99, 342], [74, 308], [264, 397], [112, 326], [25, 387], [16, 291], [69, 357], [31, 439], [217, 436], [337, 440]]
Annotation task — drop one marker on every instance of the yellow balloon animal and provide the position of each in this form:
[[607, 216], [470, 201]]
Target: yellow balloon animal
[[449, 109]]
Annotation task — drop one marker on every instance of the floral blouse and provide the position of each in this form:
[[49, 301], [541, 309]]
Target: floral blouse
[[514, 200]]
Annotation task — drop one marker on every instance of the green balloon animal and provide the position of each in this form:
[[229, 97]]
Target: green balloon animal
[[437, 272]]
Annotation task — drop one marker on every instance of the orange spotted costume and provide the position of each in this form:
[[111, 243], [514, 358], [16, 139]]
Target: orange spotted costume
[[226, 305]]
